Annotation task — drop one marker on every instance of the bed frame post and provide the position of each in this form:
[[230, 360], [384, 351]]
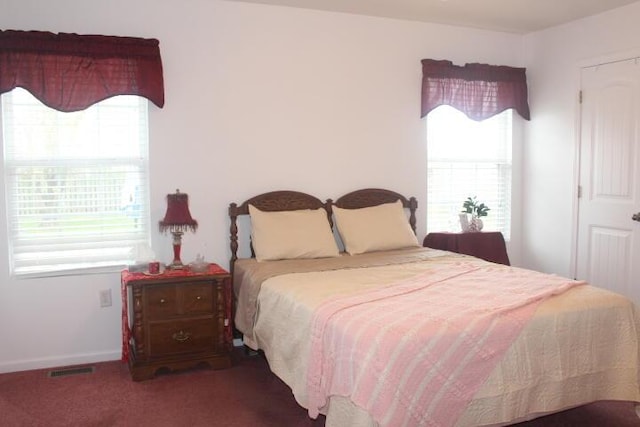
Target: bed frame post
[[328, 207], [233, 238], [413, 206]]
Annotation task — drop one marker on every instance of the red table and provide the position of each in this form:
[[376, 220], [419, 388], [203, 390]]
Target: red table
[[488, 245]]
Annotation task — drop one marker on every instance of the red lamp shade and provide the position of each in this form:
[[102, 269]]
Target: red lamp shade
[[177, 220], [178, 217]]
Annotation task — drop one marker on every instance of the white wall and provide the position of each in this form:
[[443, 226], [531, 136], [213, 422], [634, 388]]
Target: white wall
[[553, 61], [257, 98]]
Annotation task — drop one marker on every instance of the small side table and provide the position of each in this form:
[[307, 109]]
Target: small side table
[[176, 320], [488, 245]]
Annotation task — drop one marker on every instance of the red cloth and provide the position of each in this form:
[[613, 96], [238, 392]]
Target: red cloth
[[488, 245], [478, 90], [126, 277], [70, 72]]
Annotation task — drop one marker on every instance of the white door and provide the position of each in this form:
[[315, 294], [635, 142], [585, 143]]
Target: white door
[[608, 246]]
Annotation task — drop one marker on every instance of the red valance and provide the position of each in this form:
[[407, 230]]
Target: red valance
[[70, 72], [478, 90]]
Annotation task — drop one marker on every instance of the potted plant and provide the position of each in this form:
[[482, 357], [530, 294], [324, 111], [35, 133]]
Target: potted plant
[[477, 211]]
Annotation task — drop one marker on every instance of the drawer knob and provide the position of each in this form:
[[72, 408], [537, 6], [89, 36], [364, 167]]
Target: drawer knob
[[198, 297], [181, 336], [162, 301]]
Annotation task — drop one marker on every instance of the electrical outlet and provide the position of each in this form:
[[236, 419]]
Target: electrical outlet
[[105, 298]]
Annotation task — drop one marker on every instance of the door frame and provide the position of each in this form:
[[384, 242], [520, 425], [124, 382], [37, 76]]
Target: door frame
[[591, 62]]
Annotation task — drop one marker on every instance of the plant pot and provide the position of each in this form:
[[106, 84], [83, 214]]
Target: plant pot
[[464, 222], [475, 224]]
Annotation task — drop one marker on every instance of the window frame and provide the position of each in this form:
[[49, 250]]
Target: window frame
[[113, 252], [500, 216]]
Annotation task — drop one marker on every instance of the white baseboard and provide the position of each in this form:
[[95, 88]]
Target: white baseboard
[[72, 360], [58, 361]]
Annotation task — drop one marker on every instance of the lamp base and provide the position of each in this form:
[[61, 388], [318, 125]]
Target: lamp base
[[176, 266], [177, 245]]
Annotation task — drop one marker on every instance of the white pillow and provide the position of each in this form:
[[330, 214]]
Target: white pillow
[[291, 234], [377, 228]]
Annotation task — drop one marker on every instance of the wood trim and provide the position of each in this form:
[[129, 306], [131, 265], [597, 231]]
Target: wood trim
[[285, 200], [369, 197], [273, 201]]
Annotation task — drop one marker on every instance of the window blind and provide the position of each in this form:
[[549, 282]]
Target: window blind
[[76, 183], [467, 158]]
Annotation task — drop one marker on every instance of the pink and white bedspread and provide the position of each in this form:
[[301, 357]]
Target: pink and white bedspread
[[428, 337], [414, 353]]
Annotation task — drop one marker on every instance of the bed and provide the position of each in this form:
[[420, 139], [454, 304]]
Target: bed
[[370, 329]]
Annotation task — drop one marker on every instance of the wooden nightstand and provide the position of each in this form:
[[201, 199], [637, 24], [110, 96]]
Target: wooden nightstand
[[176, 320], [488, 245]]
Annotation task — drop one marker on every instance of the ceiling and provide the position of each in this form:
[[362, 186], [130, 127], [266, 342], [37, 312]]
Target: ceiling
[[515, 16]]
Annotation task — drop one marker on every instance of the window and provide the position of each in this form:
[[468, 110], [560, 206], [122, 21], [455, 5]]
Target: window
[[468, 158], [76, 183]]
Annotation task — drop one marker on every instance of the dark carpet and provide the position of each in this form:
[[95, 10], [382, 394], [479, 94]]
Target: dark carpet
[[247, 394]]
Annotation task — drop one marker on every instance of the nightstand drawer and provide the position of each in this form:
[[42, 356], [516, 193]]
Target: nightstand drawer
[[197, 298], [182, 336], [162, 301], [165, 301]]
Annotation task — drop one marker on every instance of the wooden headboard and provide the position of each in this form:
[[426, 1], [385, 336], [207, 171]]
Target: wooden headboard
[[275, 201], [373, 197]]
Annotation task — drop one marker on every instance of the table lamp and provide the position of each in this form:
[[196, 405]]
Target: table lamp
[[177, 220]]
